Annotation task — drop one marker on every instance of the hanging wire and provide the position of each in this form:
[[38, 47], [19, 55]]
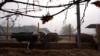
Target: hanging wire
[[47, 6], [82, 20], [15, 14], [27, 6], [62, 10], [40, 16], [34, 3], [64, 21], [47, 9], [13, 21], [69, 5]]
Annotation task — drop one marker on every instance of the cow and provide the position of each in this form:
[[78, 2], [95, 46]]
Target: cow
[[23, 36], [30, 37], [85, 38], [50, 37]]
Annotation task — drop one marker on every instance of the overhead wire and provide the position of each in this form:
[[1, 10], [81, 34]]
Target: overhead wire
[[68, 6], [41, 6], [47, 6], [36, 16], [15, 14], [62, 10]]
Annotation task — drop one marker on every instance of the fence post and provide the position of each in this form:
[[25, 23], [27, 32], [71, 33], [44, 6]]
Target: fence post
[[7, 29], [38, 31], [78, 24], [69, 33], [98, 36]]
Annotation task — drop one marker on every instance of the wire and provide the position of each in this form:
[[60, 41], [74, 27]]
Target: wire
[[27, 6], [13, 21], [62, 10], [47, 10], [65, 16], [15, 14], [69, 5], [47, 6], [34, 3], [21, 14], [36, 16], [82, 20]]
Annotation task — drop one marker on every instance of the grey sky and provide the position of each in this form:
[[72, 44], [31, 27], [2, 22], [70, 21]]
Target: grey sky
[[92, 15]]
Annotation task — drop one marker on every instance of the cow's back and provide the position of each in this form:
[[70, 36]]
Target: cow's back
[[51, 37], [23, 36], [85, 37]]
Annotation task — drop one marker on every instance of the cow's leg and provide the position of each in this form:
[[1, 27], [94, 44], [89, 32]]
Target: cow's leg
[[43, 43], [28, 43], [31, 45]]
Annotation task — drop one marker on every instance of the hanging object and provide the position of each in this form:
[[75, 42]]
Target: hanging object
[[97, 3], [46, 18]]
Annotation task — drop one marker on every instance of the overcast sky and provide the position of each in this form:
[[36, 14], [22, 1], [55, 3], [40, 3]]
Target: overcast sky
[[92, 15]]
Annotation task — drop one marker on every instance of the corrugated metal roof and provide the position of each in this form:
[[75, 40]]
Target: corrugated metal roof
[[93, 26]]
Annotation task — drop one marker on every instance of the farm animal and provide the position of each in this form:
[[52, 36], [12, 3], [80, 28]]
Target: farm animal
[[85, 37], [50, 37], [23, 36], [30, 37]]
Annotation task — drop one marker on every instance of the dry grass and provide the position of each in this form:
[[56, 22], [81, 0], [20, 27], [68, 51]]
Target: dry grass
[[37, 52]]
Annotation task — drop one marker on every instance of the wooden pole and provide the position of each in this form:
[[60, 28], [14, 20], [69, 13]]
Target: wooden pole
[[69, 32], [7, 29], [98, 36], [97, 33], [38, 28], [78, 24], [38, 32]]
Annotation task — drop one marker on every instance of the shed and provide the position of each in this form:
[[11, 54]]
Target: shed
[[97, 38]]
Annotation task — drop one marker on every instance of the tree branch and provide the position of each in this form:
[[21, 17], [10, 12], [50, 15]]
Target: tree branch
[[48, 6], [21, 14]]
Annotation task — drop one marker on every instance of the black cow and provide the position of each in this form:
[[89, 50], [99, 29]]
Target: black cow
[[50, 37], [23, 36], [85, 37], [30, 37]]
